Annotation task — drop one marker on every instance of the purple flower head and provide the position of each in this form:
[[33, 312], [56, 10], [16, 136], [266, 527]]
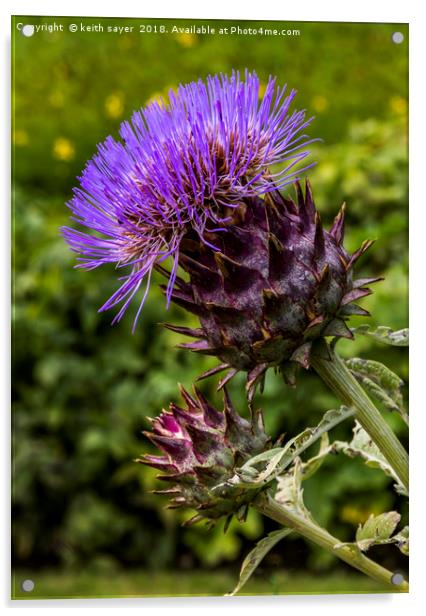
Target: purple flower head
[[181, 168]]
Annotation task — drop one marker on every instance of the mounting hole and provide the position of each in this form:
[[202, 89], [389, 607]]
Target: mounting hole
[[27, 30], [28, 585], [397, 37], [397, 579]]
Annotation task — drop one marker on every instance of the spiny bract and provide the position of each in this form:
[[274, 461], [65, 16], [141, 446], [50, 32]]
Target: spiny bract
[[203, 447], [276, 282]]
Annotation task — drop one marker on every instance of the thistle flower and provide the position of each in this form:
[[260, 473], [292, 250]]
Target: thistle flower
[[203, 447], [181, 171], [277, 282]]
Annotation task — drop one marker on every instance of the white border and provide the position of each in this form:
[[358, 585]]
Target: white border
[[310, 10]]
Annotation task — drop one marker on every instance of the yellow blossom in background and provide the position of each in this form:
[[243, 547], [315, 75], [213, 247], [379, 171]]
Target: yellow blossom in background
[[20, 137], [114, 105], [319, 103], [63, 149], [162, 97], [398, 105], [357, 515], [156, 97], [186, 39]]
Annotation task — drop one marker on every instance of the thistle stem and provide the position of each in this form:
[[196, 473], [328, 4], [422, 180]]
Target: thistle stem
[[308, 529], [340, 380]]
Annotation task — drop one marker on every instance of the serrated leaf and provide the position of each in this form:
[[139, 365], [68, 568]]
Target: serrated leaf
[[402, 540], [384, 334], [376, 371], [269, 465], [362, 446], [289, 492], [256, 555], [377, 529], [311, 466], [380, 382], [270, 469]]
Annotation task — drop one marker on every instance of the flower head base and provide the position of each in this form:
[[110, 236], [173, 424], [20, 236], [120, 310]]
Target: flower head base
[[183, 167], [203, 447], [278, 283]]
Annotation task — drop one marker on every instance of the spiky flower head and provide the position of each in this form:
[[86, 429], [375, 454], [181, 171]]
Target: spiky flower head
[[203, 447], [277, 283], [181, 170]]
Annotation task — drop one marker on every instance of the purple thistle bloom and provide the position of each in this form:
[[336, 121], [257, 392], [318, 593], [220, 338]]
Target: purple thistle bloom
[[182, 167]]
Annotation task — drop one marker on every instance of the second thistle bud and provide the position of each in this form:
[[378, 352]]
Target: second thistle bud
[[202, 448]]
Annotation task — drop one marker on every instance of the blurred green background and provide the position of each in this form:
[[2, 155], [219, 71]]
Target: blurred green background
[[84, 520]]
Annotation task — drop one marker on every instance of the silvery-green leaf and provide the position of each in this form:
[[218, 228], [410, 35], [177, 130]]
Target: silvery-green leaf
[[289, 492], [271, 465], [361, 445], [257, 554], [377, 529], [380, 382], [362, 545], [402, 541], [265, 456], [311, 466], [384, 334]]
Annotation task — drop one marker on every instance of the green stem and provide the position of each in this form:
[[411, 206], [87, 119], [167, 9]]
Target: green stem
[[340, 380], [266, 505]]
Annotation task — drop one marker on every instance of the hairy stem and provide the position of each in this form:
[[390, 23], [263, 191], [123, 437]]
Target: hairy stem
[[308, 529], [340, 380]]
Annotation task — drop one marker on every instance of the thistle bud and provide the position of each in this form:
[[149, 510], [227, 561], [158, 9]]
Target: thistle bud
[[202, 448]]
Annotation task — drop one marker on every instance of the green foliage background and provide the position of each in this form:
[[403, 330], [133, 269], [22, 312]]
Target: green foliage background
[[82, 388]]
